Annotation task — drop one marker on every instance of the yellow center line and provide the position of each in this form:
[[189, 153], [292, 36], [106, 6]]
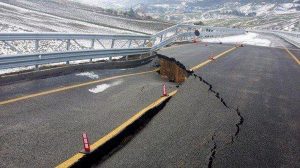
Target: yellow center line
[[116, 131], [292, 55], [71, 87], [215, 57]]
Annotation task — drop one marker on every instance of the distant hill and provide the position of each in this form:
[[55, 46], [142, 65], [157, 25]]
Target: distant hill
[[269, 14], [69, 16]]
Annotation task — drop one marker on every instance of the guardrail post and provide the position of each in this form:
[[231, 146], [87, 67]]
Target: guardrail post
[[112, 43], [129, 45], [36, 45], [110, 58], [68, 44], [92, 43], [126, 57], [36, 67], [161, 38]]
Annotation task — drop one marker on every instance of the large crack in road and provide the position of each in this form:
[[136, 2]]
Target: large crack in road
[[212, 151], [251, 89], [240, 122], [218, 96], [208, 112]]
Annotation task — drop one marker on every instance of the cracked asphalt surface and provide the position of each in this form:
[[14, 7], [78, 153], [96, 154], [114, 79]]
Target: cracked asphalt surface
[[264, 85], [240, 110], [196, 130]]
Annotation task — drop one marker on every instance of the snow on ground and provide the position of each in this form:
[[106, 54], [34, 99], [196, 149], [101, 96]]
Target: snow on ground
[[21, 19], [102, 87], [54, 15], [20, 69], [248, 38], [13, 70], [263, 9], [91, 75]]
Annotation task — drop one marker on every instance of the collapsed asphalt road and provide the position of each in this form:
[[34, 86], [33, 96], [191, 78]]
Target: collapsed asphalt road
[[237, 111], [257, 126]]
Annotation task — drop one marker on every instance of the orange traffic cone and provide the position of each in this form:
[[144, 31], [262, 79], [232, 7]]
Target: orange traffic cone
[[86, 144], [164, 90]]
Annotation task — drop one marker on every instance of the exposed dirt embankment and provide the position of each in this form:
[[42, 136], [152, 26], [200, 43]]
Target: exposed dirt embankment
[[172, 70]]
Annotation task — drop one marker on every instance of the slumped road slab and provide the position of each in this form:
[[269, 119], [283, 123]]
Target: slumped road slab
[[43, 131]]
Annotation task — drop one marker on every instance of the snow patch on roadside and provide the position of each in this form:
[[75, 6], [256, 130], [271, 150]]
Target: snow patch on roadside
[[14, 70], [103, 87], [20, 69], [248, 38], [91, 75]]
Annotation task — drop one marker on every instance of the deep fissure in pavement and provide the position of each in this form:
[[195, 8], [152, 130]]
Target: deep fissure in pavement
[[212, 151], [241, 119], [239, 123], [217, 95]]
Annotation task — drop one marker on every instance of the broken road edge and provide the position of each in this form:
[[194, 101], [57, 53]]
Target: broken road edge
[[117, 138]]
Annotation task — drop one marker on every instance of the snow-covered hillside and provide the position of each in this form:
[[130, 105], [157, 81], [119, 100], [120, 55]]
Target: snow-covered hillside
[[18, 19], [267, 14], [68, 16]]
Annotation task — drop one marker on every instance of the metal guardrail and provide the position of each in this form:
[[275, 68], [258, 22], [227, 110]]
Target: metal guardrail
[[185, 32], [21, 43], [48, 58], [171, 40], [66, 36], [291, 37], [108, 45]]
